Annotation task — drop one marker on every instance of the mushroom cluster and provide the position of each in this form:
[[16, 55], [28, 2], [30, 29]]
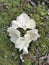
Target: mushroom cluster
[[29, 27]]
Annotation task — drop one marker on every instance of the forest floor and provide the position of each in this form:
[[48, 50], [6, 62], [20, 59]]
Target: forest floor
[[9, 10]]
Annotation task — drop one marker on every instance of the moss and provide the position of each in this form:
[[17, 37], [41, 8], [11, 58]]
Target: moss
[[10, 12]]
